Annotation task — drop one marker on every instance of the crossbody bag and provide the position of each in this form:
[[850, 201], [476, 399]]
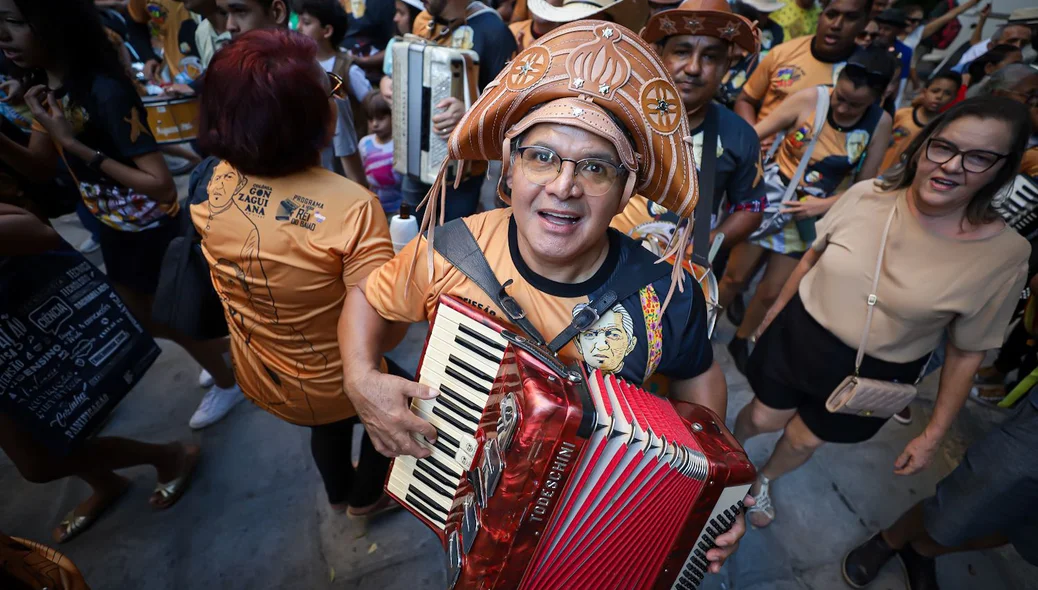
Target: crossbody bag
[[862, 396]]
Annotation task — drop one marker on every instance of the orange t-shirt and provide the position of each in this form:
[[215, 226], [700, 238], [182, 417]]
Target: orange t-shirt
[[523, 31], [282, 253], [165, 18], [906, 127], [1029, 163], [785, 70], [634, 341]]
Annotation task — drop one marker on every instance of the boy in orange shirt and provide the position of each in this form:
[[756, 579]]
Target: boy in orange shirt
[[909, 121]]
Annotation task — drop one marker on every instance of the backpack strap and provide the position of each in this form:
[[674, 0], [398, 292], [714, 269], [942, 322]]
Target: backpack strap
[[454, 241], [647, 269]]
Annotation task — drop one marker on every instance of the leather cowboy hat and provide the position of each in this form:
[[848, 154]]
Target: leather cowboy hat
[[569, 10], [712, 18]]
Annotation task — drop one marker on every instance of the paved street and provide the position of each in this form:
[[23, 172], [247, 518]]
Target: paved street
[[256, 516]]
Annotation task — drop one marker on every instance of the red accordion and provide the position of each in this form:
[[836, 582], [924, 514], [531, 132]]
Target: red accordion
[[544, 476]]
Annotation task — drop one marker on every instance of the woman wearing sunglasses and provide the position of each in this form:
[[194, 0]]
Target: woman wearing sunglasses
[[285, 239], [950, 264], [854, 123]]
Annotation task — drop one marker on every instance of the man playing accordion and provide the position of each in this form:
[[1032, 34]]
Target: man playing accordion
[[580, 120]]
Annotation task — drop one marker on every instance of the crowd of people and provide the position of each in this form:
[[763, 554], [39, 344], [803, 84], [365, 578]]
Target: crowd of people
[[861, 185]]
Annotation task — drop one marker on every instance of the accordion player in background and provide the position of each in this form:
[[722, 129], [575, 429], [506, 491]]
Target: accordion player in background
[[576, 140], [466, 25]]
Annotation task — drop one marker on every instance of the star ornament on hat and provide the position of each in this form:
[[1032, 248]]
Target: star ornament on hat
[[712, 18], [600, 77]]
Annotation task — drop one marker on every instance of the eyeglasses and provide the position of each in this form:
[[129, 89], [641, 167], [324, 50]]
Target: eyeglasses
[[873, 79], [338, 86], [867, 36], [542, 165], [940, 151]]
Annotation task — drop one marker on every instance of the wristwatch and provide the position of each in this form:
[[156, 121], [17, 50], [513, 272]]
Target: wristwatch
[[97, 160]]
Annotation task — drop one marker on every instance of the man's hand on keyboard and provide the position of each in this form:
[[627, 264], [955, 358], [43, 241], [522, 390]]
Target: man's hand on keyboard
[[383, 403]]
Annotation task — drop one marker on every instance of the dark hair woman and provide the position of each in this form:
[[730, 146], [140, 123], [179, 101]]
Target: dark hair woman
[[850, 144], [950, 264], [87, 110], [285, 240]]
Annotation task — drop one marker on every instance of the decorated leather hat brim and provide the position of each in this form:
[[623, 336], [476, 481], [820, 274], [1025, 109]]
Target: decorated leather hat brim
[[728, 26]]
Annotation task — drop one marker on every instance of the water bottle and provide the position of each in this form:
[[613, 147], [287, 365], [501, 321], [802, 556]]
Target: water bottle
[[403, 228]]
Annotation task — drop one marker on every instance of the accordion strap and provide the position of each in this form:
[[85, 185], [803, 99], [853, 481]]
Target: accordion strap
[[647, 270], [455, 242]]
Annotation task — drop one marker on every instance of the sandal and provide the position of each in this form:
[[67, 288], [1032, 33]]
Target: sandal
[[167, 494], [72, 525], [384, 504], [762, 506]]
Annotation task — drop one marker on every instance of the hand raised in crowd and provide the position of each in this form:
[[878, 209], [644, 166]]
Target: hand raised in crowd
[[179, 90], [382, 402], [808, 207], [48, 112], [985, 12], [151, 71], [451, 110], [729, 541], [13, 90], [918, 455]]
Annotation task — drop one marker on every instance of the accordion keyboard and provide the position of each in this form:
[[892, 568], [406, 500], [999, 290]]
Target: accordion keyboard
[[461, 361]]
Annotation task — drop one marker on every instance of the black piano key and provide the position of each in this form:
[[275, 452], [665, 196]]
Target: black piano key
[[413, 490], [439, 465], [424, 466], [425, 510], [446, 403], [476, 349], [481, 338], [454, 395], [454, 360], [450, 439], [439, 444], [440, 489], [454, 421], [468, 381]]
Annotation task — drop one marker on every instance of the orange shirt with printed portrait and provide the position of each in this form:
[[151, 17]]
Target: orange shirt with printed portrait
[[786, 69]]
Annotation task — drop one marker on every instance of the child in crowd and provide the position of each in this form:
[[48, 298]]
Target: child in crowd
[[376, 150], [910, 120], [326, 22], [403, 18]]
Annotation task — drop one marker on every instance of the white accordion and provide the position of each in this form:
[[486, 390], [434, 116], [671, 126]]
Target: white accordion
[[423, 75]]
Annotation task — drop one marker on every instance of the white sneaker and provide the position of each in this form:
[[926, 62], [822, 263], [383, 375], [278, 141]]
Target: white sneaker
[[216, 403], [88, 246], [205, 379]]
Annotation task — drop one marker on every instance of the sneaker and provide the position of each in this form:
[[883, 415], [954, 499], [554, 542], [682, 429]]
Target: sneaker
[[989, 376], [736, 310], [989, 395], [864, 562], [205, 379], [89, 245], [216, 403], [904, 416], [739, 348], [762, 513], [920, 572]]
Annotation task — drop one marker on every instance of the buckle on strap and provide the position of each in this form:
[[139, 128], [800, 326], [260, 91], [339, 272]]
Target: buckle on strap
[[872, 299], [585, 318], [509, 305]]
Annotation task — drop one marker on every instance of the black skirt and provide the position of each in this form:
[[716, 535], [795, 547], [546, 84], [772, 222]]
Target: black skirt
[[797, 364]]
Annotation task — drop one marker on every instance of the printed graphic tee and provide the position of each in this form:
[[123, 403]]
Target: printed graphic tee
[[787, 69], [282, 252], [633, 340], [906, 127]]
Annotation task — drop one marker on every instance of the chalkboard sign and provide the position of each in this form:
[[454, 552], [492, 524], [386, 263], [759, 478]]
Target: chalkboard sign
[[70, 350]]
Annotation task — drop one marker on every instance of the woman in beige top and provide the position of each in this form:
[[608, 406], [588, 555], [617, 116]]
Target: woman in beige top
[[950, 264]]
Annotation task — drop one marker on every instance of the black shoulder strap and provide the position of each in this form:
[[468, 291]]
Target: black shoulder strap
[[455, 242], [645, 272], [707, 176]]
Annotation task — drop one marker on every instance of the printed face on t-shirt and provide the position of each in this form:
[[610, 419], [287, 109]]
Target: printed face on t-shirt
[[224, 184], [558, 221], [605, 345]]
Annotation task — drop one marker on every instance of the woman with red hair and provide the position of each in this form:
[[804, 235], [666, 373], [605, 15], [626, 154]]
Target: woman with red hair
[[285, 240]]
